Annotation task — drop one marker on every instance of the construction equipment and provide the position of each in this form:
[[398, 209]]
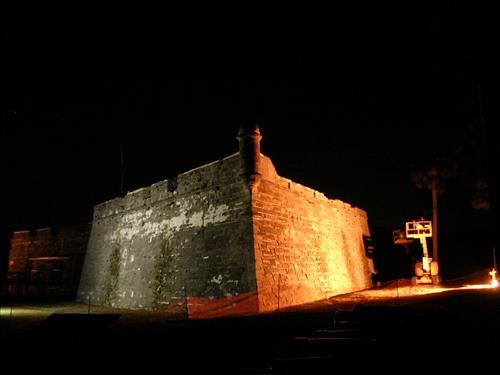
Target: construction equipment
[[426, 271]]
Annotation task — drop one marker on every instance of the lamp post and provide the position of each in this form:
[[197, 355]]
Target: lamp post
[[434, 188], [434, 179]]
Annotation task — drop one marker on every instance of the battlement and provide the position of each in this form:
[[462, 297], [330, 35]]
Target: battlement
[[210, 176], [231, 230]]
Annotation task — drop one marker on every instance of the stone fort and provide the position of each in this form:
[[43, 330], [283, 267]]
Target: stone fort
[[47, 261], [228, 237]]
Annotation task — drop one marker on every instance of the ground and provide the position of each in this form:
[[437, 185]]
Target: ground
[[391, 328]]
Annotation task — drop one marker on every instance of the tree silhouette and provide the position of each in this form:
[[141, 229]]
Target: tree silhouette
[[434, 178]]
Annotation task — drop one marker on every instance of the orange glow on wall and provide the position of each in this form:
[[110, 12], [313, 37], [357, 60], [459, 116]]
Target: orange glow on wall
[[232, 237], [307, 247]]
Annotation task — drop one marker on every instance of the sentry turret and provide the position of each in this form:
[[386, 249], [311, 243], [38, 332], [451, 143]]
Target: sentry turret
[[249, 146]]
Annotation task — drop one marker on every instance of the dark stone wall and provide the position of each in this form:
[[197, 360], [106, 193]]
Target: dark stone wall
[[173, 244]]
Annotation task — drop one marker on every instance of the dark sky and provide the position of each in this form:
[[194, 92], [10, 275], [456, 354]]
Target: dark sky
[[350, 101]]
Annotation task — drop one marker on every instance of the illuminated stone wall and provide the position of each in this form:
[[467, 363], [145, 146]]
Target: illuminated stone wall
[[183, 243], [229, 237], [307, 247], [47, 260]]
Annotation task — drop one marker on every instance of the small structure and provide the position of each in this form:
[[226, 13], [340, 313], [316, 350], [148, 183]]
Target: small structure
[[47, 261], [229, 237]]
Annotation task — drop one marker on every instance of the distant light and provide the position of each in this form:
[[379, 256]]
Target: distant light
[[494, 281], [477, 286]]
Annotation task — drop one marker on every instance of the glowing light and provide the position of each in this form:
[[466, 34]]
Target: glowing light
[[477, 286], [494, 281]]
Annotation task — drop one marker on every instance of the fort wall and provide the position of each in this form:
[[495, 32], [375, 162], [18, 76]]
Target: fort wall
[[47, 260], [176, 244], [307, 247], [229, 237]]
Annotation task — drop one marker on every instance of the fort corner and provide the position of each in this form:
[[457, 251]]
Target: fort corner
[[229, 237]]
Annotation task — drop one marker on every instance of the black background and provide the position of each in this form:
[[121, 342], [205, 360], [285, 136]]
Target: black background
[[351, 99]]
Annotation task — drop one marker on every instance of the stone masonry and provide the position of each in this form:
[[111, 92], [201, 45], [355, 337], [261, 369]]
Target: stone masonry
[[226, 238], [307, 247], [47, 261], [186, 237]]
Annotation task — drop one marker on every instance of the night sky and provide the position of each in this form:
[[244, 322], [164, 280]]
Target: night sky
[[350, 101]]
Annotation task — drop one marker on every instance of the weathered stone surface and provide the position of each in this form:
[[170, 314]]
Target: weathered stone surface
[[156, 247], [306, 246], [228, 237]]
